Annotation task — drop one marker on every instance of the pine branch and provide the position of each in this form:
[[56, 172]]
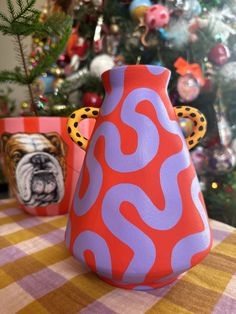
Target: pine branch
[[4, 18], [23, 22], [28, 7], [12, 77], [10, 7], [19, 4]]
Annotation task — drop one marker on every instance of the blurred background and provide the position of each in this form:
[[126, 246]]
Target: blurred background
[[195, 39]]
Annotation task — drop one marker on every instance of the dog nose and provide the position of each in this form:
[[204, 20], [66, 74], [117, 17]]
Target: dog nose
[[39, 159]]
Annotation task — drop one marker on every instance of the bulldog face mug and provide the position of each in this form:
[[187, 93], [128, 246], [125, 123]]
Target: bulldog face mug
[[40, 162], [138, 217]]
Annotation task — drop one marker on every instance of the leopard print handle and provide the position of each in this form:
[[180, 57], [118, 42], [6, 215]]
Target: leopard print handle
[[199, 121], [73, 122]]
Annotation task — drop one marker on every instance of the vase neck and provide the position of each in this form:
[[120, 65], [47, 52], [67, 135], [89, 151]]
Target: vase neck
[[136, 76]]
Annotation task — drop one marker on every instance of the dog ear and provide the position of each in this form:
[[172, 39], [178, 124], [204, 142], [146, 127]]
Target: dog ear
[[57, 141], [3, 141]]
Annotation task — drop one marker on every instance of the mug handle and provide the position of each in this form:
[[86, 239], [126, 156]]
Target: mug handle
[[199, 121], [73, 121]]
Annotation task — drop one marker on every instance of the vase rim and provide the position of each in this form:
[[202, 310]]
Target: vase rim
[[136, 66]]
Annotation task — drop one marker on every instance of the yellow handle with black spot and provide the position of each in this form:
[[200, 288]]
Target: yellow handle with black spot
[[199, 123], [74, 120]]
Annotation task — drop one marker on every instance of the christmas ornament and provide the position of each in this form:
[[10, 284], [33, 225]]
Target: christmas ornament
[[188, 88], [63, 60], [224, 128], [199, 159], [58, 108], [228, 73], [157, 16], [101, 64], [219, 54], [183, 67], [43, 85], [92, 100], [41, 103], [186, 126], [138, 8], [190, 81], [97, 39], [25, 108], [221, 160]]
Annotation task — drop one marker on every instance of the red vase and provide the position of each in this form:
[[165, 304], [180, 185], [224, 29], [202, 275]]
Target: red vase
[[138, 218]]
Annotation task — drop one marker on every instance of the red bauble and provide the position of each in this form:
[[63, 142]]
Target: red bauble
[[219, 54], [92, 100]]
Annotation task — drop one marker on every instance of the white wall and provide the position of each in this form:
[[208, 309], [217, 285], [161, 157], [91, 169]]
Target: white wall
[[8, 57]]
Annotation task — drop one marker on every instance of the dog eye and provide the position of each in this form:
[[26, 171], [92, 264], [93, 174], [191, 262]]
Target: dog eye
[[49, 151], [16, 156]]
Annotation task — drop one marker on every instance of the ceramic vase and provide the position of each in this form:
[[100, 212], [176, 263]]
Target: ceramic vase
[[138, 217]]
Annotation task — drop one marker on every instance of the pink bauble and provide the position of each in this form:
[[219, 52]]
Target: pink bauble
[[188, 88], [157, 16]]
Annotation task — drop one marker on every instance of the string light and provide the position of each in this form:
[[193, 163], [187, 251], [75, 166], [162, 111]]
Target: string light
[[214, 185]]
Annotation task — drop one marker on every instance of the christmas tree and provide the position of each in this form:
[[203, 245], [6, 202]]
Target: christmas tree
[[22, 20], [195, 39]]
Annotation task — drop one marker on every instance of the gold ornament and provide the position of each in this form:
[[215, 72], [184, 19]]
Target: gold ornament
[[24, 105], [139, 12], [115, 28], [57, 108]]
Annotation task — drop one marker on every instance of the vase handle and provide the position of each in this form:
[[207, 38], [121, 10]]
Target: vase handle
[[73, 122], [199, 121]]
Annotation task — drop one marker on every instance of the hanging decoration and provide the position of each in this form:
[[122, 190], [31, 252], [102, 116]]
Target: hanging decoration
[[221, 160], [223, 126], [219, 54], [97, 39], [190, 81]]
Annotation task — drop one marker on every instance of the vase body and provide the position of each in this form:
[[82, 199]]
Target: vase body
[[138, 217], [40, 162]]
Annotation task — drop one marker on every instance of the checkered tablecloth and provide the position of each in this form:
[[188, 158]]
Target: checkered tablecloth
[[38, 274]]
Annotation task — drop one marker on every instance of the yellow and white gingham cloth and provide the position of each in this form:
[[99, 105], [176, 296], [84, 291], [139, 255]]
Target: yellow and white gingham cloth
[[38, 274]]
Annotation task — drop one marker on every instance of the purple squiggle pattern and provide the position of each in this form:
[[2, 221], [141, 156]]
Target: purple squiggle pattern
[[111, 100], [89, 240], [142, 246], [148, 141], [187, 247], [156, 70]]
